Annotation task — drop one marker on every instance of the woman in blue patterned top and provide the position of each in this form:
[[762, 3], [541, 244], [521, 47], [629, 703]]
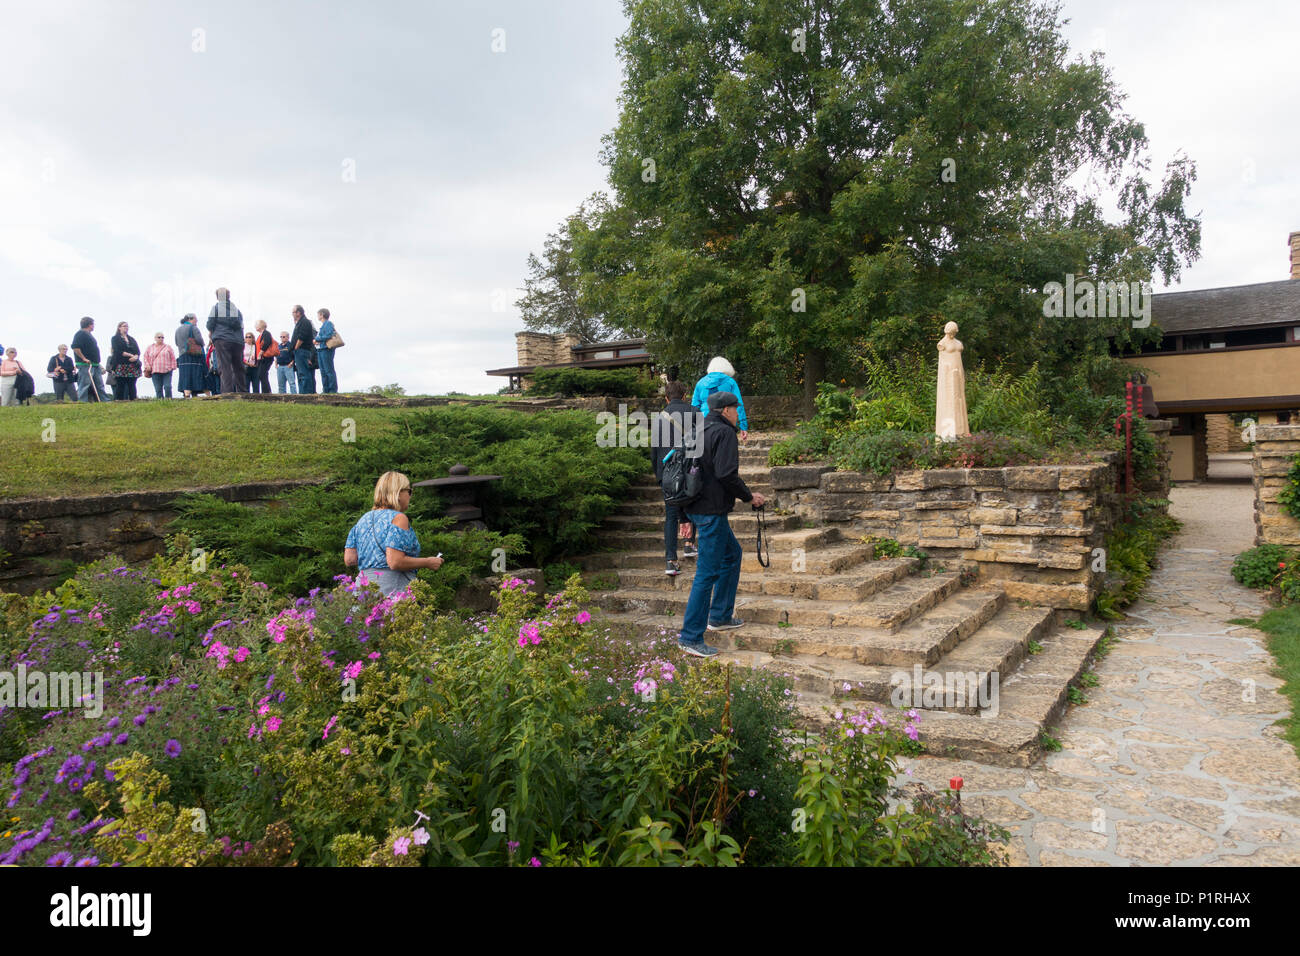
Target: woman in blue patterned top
[[382, 545]]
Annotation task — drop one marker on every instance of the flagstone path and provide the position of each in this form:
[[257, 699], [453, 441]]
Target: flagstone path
[[1171, 761]]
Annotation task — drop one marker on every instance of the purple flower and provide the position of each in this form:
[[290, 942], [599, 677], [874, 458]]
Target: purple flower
[[112, 724], [172, 748], [401, 845], [62, 858], [140, 719], [88, 861]]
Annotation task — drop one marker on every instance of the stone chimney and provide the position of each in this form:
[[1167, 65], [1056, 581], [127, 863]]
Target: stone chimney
[[1293, 241]]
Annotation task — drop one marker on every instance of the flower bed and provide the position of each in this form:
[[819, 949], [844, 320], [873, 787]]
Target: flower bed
[[237, 728]]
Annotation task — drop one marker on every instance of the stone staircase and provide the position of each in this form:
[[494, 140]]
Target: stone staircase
[[852, 631]]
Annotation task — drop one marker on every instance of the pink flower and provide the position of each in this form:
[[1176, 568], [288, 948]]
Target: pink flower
[[582, 618], [346, 751], [529, 634], [353, 670], [272, 725], [420, 836], [241, 654], [533, 861], [401, 845], [325, 734]]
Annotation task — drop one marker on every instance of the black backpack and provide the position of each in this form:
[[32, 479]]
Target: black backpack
[[25, 387], [683, 479]]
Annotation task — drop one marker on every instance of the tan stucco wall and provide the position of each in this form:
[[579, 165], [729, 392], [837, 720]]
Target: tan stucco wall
[[1201, 376]]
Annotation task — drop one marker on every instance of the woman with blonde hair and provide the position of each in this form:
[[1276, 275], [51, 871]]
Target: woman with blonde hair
[[382, 545]]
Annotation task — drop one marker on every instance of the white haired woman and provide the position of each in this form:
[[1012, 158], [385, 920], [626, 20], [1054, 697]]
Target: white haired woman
[[159, 363], [382, 546], [721, 377]]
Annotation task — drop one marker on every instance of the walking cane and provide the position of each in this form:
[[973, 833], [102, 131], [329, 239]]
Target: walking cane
[[764, 555]]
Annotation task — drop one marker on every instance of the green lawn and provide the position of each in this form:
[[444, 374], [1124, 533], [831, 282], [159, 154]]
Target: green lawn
[[159, 446], [1282, 625]]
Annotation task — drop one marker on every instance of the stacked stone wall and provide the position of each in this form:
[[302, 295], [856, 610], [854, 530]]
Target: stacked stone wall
[[1276, 447]]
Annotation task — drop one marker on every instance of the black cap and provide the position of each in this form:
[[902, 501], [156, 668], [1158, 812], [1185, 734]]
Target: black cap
[[722, 400]]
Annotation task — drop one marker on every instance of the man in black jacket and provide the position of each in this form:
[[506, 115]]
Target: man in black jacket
[[674, 427], [226, 330], [717, 572]]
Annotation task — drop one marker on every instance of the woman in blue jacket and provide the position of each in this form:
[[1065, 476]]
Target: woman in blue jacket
[[721, 377]]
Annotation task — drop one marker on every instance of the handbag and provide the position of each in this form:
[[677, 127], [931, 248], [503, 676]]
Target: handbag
[[192, 346], [335, 341]]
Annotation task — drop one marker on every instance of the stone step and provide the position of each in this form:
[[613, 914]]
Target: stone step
[[887, 610], [1030, 701], [817, 559], [741, 522], [922, 642], [855, 585], [655, 506]]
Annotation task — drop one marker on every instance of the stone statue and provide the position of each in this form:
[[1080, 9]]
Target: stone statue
[[950, 403]]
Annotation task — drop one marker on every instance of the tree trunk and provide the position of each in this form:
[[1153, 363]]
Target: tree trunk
[[814, 370]]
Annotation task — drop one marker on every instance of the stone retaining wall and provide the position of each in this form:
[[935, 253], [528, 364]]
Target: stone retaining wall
[[1031, 528], [1275, 448], [780, 411], [44, 536]]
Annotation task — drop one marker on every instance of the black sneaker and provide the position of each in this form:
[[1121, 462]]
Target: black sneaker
[[672, 570], [731, 625], [689, 551]]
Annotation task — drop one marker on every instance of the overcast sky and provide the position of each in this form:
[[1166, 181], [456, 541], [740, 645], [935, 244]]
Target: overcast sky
[[383, 161]]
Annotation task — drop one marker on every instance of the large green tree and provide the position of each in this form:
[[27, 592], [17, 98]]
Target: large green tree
[[796, 178], [552, 301]]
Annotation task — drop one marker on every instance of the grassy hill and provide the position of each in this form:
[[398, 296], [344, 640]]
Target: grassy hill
[[160, 446]]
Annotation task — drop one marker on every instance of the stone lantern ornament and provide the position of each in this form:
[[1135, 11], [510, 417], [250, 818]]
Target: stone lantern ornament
[[461, 491], [950, 422]]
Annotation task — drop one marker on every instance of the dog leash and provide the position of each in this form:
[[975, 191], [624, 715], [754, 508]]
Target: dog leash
[[764, 555]]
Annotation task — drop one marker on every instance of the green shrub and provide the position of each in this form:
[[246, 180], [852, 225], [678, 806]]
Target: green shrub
[[556, 486], [1131, 554], [810, 442], [880, 453], [842, 818], [1289, 496], [1258, 567], [570, 382]]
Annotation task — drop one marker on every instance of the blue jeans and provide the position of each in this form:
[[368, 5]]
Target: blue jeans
[[717, 573], [306, 374], [329, 382], [286, 375], [86, 375]]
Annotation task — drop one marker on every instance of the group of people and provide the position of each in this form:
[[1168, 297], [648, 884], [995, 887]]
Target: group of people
[[232, 360], [714, 442], [384, 549]]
